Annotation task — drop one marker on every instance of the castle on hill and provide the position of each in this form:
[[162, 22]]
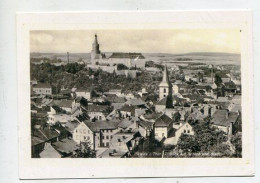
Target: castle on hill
[[128, 59]]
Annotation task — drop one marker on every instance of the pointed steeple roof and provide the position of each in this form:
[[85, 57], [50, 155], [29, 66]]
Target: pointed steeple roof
[[165, 82], [96, 41]]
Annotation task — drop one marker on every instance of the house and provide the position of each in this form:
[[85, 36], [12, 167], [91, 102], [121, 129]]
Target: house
[[179, 128], [56, 114], [136, 102], [116, 92], [49, 152], [70, 126], [40, 136], [42, 89], [182, 128], [65, 147], [83, 133], [123, 144], [160, 106], [37, 146], [98, 112], [127, 111], [66, 105], [145, 127], [98, 133], [162, 126], [83, 92], [116, 102], [225, 120]]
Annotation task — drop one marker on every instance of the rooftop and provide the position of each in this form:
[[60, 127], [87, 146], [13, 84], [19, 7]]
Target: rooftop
[[127, 55], [42, 85], [102, 125], [163, 121], [224, 118]]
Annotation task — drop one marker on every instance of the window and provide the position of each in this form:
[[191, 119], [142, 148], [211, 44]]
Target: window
[[184, 131], [164, 90], [164, 95], [88, 138], [85, 137], [107, 137], [188, 131], [107, 144], [103, 137]]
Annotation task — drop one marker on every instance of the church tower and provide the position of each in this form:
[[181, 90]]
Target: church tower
[[95, 52], [165, 87]]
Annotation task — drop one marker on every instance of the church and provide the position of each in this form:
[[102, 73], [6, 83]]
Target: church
[[129, 59], [165, 93]]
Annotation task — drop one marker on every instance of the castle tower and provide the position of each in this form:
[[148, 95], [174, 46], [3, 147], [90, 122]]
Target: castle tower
[[165, 87], [95, 52]]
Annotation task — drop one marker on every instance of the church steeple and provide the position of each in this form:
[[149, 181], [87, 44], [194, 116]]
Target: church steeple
[[96, 41], [95, 52], [165, 87], [165, 82]]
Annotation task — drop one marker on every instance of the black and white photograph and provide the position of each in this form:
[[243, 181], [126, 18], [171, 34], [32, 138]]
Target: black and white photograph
[[148, 93]]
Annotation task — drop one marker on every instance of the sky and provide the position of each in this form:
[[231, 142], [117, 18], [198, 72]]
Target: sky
[[145, 41]]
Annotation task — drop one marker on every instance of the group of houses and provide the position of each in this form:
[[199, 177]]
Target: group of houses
[[116, 123]]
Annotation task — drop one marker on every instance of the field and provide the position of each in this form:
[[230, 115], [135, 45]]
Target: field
[[204, 58]]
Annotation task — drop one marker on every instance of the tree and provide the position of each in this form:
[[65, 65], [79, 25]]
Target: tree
[[187, 144], [218, 80], [206, 140], [85, 151], [236, 140], [169, 101], [122, 67]]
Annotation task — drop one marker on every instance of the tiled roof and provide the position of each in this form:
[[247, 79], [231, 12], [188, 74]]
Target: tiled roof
[[46, 134], [83, 90], [224, 118], [42, 85], [135, 102], [97, 108], [115, 99], [162, 102], [83, 117], [128, 108], [145, 124], [102, 125], [71, 125], [65, 146], [127, 55], [49, 152], [125, 123], [65, 103], [163, 121], [36, 140]]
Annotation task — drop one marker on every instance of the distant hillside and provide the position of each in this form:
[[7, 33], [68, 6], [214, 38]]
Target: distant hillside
[[202, 57]]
